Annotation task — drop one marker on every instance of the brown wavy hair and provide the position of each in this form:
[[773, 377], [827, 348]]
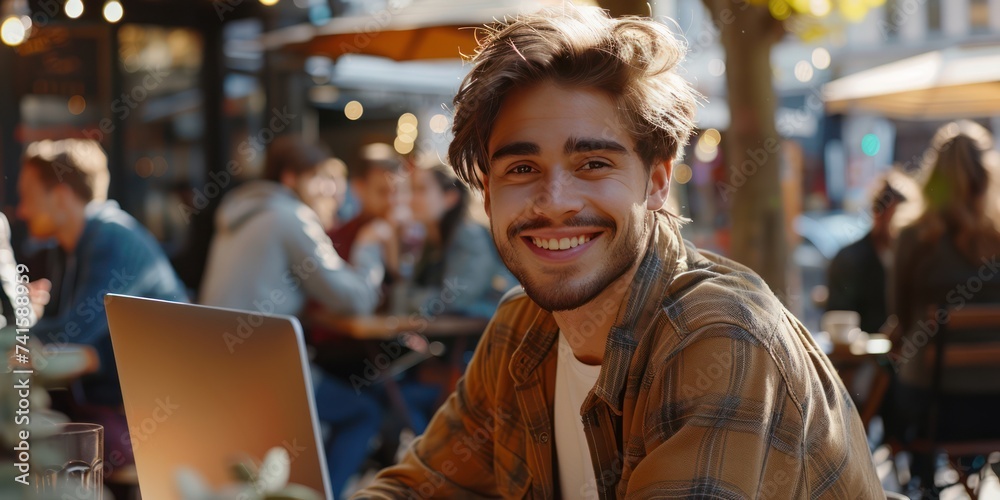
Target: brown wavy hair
[[960, 192], [634, 60]]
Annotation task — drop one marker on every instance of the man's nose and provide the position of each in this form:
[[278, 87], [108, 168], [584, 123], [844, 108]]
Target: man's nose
[[558, 195]]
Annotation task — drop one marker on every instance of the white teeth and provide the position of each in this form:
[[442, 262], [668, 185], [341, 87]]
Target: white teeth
[[560, 244]]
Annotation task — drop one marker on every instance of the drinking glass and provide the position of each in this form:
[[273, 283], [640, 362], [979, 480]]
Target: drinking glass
[[69, 462]]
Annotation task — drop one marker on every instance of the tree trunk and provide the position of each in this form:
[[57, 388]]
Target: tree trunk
[[752, 144]]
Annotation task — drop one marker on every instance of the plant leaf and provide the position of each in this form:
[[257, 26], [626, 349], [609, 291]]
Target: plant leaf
[[274, 472]]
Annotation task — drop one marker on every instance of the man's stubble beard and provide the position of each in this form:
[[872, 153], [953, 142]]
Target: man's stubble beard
[[561, 294]]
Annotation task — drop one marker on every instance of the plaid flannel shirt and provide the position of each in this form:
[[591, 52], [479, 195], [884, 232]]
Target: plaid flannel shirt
[[709, 388]]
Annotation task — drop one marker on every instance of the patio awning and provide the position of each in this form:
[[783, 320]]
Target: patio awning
[[957, 82], [421, 29]]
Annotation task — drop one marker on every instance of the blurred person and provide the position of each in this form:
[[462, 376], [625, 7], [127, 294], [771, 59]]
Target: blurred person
[[273, 227], [330, 205], [373, 185], [10, 278], [948, 258], [101, 249], [271, 254], [856, 278], [458, 253], [630, 365]]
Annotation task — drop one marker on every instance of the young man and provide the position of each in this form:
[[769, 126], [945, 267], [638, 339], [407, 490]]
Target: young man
[[374, 186], [632, 365], [62, 193]]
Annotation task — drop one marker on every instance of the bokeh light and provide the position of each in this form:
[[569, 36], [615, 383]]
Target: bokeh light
[[402, 147], [73, 8], [712, 137], [821, 58], [76, 104], [144, 167], [707, 149], [779, 9], [407, 122], [819, 8], [353, 110], [113, 11], [12, 31], [870, 144], [439, 123], [682, 173], [853, 10], [716, 67], [803, 71]]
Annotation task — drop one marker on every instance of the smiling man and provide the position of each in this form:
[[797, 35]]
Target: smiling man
[[631, 365]]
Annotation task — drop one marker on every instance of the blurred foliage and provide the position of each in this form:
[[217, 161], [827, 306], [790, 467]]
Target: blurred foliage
[[812, 20]]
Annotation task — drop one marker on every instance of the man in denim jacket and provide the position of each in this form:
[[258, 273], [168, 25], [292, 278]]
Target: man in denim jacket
[[100, 249]]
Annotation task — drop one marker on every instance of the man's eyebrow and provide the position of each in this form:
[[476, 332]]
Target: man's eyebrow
[[516, 149], [586, 144]]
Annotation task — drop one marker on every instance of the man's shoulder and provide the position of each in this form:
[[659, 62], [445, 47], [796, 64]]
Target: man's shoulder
[[113, 230], [855, 252], [717, 308], [714, 292], [110, 222]]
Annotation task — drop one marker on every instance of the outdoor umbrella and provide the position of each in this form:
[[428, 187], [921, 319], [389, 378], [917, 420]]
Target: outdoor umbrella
[[957, 82], [421, 29]]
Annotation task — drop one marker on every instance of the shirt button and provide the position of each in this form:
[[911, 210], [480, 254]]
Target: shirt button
[[544, 437]]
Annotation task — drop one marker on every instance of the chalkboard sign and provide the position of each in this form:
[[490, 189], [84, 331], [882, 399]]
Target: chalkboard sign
[[59, 60]]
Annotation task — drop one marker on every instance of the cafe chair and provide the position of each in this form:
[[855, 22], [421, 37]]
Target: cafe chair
[[968, 339]]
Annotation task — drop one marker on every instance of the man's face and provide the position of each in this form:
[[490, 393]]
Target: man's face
[[376, 192], [318, 189], [38, 205], [567, 195]]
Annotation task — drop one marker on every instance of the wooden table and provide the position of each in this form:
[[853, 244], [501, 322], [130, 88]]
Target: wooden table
[[421, 334], [384, 327]]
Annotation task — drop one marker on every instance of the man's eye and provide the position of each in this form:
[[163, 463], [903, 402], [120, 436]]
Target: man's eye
[[595, 165], [521, 169]]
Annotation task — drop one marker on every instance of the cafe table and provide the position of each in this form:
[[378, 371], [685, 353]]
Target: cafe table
[[425, 336], [850, 358]]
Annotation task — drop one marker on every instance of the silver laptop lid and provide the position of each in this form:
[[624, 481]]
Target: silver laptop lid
[[203, 386]]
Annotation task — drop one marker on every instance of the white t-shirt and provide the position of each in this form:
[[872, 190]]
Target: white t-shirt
[[574, 380]]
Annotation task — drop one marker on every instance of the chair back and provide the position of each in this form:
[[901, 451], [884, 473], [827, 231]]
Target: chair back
[[968, 339]]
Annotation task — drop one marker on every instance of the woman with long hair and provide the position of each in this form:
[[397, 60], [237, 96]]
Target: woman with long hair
[[459, 270], [943, 261]]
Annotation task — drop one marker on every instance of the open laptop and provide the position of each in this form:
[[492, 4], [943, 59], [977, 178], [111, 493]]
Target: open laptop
[[204, 385]]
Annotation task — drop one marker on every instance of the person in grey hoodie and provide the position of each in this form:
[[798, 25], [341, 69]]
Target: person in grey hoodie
[[270, 255], [270, 252]]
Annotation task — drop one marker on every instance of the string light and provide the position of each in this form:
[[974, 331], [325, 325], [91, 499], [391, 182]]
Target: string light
[[113, 11]]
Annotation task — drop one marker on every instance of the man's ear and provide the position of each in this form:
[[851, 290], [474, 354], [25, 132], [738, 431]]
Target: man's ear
[[486, 196], [62, 195], [659, 184]]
